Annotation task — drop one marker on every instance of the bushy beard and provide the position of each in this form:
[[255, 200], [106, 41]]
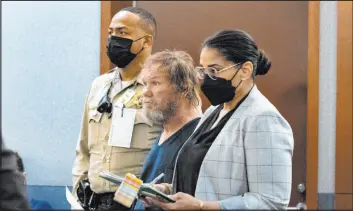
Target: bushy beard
[[162, 116]]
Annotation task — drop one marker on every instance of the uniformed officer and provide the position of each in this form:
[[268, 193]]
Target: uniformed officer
[[116, 134]]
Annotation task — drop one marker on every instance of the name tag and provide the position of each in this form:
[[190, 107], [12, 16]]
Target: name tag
[[123, 122], [127, 96]]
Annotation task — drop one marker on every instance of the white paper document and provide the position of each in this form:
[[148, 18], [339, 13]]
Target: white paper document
[[122, 127], [72, 201]]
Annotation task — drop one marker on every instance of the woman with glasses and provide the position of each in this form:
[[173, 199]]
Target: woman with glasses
[[240, 155]]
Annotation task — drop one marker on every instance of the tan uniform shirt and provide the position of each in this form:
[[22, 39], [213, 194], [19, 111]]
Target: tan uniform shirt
[[93, 153]]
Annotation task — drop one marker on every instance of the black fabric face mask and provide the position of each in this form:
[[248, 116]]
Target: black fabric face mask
[[219, 90], [118, 51]]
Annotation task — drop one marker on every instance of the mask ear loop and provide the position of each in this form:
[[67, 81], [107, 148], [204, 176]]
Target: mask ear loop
[[142, 47], [140, 51], [140, 39], [236, 74]]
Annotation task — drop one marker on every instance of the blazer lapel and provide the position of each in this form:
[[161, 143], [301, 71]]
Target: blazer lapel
[[232, 124]]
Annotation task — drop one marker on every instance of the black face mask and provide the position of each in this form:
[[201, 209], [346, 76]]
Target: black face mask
[[118, 51], [219, 90]]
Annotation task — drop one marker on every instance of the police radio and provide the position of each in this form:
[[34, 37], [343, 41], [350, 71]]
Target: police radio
[[105, 104]]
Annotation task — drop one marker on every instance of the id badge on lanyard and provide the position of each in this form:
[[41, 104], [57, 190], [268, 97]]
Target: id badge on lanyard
[[122, 122]]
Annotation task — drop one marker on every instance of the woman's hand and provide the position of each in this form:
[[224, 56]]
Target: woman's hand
[[183, 202], [147, 200]]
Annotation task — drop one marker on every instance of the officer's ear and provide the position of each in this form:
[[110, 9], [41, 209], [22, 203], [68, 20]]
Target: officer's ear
[[148, 41]]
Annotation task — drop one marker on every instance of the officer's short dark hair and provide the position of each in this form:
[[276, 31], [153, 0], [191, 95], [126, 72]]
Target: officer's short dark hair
[[20, 166], [147, 18]]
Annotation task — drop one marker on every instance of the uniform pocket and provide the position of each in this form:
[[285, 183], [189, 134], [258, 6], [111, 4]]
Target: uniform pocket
[[141, 139], [94, 115], [141, 135], [94, 119], [141, 118]]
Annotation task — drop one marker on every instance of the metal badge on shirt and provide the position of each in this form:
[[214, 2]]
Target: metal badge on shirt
[[123, 122]]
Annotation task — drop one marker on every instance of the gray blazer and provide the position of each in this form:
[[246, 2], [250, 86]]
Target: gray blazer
[[249, 165]]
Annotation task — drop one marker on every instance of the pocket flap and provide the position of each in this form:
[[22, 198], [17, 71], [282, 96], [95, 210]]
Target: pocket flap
[[94, 115], [141, 118]]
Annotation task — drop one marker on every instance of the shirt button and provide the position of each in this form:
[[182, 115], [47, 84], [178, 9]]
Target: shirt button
[[106, 138]]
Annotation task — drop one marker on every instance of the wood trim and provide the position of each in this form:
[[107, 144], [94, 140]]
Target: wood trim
[[313, 103], [343, 201], [343, 181], [108, 10]]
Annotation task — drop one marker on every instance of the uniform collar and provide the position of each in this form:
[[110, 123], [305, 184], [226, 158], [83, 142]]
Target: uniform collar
[[114, 74]]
